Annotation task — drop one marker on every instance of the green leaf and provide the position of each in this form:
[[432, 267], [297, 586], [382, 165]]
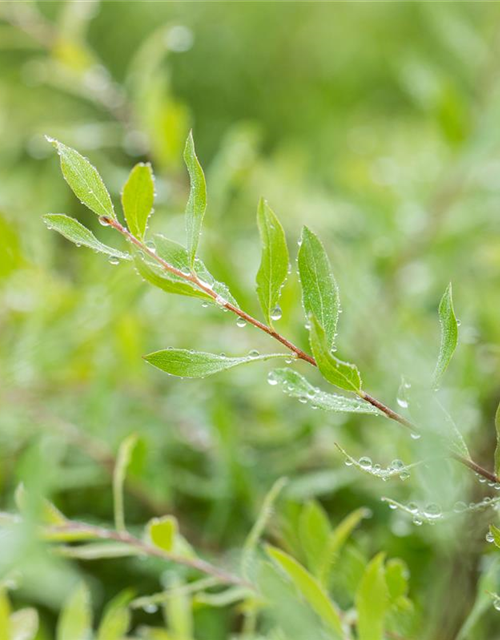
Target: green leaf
[[396, 575], [337, 539], [314, 532], [273, 268], [24, 624], [198, 364], [372, 600], [495, 532], [163, 532], [116, 619], [197, 202], [497, 450], [122, 462], [377, 471], [296, 386], [84, 180], [449, 335], [137, 198], [5, 623], [339, 373], [74, 231], [256, 532], [158, 277], [176, 255], [320, 294], [98, 551], [75, 620], [310, 589]]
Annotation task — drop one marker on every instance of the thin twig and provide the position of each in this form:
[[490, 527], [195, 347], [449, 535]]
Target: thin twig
[[124, 537], [299, 353]]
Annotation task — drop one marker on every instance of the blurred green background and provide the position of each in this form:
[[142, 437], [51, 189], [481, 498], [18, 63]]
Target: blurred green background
[[377, 125]]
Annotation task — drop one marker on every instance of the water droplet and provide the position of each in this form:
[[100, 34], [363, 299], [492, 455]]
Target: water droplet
[[204, 304], [404, 475], [150, 245], [432, 510], [220, 301], [490, 537], [303, 399], [114, 260], [396, 464], [496, 603], [415, 436], [150, 608], [271, 379], [105, 221], [402, 402], [392, 506], [276, 313], [348, 462], [417, 521], [253, 353], [78, 244], [365, 462], [241, 322], [459, 322], [413, 507], [459, 507]]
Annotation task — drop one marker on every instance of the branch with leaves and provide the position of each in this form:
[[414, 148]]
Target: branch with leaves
[[176, 269]]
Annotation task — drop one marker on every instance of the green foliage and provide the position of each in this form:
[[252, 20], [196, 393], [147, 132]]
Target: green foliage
[[75, 620], [372, 600], [341, 374], [497, 450], [449, 335], [273, 268], [74, 231], [320, 295], [123, 461], [84, 180], [197, 364], [138, 198], [197, 202]]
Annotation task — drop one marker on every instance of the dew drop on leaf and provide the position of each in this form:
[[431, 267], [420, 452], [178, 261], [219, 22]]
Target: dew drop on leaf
[[490, 537], [276, 313], [365, 462]]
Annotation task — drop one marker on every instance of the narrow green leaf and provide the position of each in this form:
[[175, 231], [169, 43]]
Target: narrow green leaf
[[314, 532], [273, 268], [256, 532], [84, 180], [337, 539], [198, 364], [158, 277], [497, 450], [74, 231], [197, 202], [320, 294], [5, 623], [449, 335], [122, 462], [116, 619], [24, 624], [296, 386], [75, 620], [98, 551], [176, 255], [310, 589], [163, 532], [372, 600], [339, 373], [137, 198]]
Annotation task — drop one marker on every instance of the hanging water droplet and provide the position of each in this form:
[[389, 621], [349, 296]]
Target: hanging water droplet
[[459, 322], [415, 436], [271, 379], [459, 507], [348, 463], [302, 399], [78, 244], [150, 608], [204, 304], [253, 353], [413, 507], [150, 245], [365, 462], [376, 468], [276, 313], [490, 537], [114, 260], [241, 322], [404, 475], [496, 603], [307, 325], [392, 506], [417, 521], [402, 403]]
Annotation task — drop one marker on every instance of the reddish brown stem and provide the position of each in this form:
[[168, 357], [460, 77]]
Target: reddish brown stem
[[299, 353]]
